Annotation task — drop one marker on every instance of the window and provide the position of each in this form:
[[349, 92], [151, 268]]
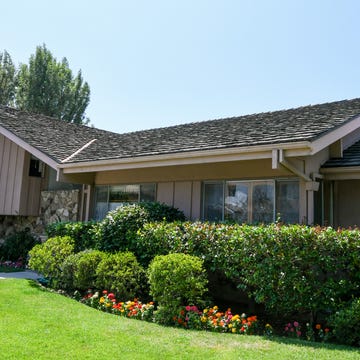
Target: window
[[256, 201], [108, 198]]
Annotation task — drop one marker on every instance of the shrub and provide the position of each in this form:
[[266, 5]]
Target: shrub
[[121, 274], [162, 212], [176, 280], [85, 273], [118, 231], [79, 270], [345, 324], [289, 269], [83, 233], [48, 258], [17, 246]]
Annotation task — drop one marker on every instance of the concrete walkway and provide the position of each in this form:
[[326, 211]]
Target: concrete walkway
[[28, 274]]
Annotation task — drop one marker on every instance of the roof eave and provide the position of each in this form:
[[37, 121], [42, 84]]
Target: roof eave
[[291, 149], [29, 148], [335, 134]]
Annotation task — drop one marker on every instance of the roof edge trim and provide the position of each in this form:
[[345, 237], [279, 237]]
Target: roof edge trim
[[29, 148]]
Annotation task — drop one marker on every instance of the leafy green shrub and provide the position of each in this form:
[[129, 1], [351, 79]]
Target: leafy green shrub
[[83, 233], [162, 212], [17, 246], [286, 268], [118, 231], [176, 280], [79, 270], [158, 239], [121, 274], [345, 324], [48, 258]]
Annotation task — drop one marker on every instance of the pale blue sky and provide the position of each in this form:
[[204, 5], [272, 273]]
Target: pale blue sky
[[162, 62]]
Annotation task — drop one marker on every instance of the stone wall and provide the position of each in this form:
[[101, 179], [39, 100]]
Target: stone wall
[[59, 205], [55, 206]]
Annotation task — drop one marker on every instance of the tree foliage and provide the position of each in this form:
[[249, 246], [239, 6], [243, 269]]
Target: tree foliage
[[7, 79], [44, 86]]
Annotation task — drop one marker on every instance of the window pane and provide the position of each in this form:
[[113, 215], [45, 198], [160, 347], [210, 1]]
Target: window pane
[[213, 201], [287, 201], [123, 194], [263, 202], [147, 192], [236, 202], [101, 202]]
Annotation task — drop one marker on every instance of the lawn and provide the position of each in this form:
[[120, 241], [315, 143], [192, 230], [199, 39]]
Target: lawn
[[37, 324]]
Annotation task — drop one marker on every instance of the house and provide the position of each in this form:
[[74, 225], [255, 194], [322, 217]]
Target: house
[[301, 164]]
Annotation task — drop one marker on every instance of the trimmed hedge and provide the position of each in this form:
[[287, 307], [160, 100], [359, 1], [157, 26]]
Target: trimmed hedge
[[118, 231], [289, 269], [48, 258], [83, 233], [176, 280], [121, 274]]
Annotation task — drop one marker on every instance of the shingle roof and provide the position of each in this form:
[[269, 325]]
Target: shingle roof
[[59, 140], [351, 157]]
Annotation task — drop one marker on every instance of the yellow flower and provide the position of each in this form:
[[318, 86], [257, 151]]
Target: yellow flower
[[233, 330], [102, 300], [230, 326]]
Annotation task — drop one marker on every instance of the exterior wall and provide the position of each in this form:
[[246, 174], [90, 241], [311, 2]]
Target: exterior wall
[[180, 186], [347, 203], [19, 192], [60, 205], [12, 159]]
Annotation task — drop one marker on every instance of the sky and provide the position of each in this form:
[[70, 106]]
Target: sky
[[159, 63]]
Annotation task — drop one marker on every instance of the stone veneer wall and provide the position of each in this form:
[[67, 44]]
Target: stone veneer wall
[[55, 206]]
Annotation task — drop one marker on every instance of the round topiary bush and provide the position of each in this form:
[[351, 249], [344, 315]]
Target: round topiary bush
[[121, 274], [48, 258], [176, 280], [79, 270]]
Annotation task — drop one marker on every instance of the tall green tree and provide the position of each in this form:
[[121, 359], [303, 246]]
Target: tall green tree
[[7, 79], [48, 87]]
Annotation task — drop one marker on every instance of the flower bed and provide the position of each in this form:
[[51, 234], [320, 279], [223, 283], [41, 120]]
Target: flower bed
[[189, 317]]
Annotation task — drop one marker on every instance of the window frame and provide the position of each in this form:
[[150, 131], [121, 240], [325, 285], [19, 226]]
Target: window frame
[[251, 183]]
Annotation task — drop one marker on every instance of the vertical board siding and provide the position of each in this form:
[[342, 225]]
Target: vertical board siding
[[165, 193], [11, 174], [182, 197]]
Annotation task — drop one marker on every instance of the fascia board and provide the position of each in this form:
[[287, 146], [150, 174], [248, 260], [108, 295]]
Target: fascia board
[[188, 158], [334, 135], [32, 150]]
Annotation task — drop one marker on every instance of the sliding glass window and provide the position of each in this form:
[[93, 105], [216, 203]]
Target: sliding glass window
[[256, 201]]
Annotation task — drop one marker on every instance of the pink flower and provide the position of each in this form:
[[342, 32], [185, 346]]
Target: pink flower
[[296, 324], [298, 333], [188, 308], [111, 296]]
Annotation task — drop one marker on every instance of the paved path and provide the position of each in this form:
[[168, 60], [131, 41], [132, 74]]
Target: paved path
[[28, 274]]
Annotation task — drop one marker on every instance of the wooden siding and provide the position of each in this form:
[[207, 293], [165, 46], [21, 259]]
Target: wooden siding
[[19, 193]]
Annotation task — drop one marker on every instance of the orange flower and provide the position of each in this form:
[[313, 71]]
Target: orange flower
[[318, 326], [327, 330]]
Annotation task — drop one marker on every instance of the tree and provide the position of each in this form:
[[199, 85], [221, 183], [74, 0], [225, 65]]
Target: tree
[[48, 87], [7, 79]]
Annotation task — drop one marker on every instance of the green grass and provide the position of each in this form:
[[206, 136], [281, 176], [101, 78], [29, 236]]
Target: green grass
[[37, 324]]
